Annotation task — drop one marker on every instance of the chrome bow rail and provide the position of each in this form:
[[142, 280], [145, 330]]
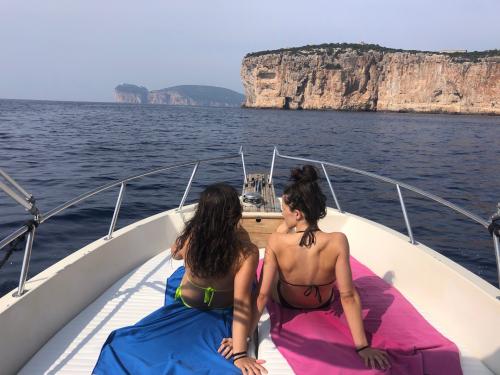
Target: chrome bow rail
[[29, 203], [398, 185]]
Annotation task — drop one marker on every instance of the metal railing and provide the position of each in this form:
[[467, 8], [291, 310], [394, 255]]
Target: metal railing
[[28, 202], [398, 185]]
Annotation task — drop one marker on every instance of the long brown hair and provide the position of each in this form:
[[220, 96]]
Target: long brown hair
[[213, 247]]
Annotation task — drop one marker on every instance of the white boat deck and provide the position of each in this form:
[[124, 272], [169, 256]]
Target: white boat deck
[[75, 348]]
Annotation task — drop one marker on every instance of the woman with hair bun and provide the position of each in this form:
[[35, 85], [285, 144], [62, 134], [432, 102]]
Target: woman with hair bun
[[302, 263]]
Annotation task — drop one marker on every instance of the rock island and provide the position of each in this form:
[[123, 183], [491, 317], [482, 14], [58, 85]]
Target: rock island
[[190, 95]]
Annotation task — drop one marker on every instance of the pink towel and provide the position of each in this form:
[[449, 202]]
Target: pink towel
[[319, 341]]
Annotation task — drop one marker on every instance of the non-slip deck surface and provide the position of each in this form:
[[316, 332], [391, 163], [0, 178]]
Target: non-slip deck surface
[[74, 349]]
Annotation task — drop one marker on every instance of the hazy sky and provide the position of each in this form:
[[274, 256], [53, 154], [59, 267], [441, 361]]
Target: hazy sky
[[80, 50]]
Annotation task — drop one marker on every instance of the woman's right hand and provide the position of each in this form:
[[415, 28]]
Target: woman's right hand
[[226, 347], [373, 357], [250, 366]]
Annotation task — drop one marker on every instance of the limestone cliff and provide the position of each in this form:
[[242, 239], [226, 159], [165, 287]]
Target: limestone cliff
[[127, 93], [190, 95], [371, 78]]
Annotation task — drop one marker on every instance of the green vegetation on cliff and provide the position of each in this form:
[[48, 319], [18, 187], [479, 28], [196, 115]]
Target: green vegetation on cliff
[[140, 93], [332, 48]]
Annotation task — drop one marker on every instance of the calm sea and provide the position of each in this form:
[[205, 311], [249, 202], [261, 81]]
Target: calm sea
[[59, 150]]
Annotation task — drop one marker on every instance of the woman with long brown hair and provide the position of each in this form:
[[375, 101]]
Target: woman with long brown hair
[[206, 300]]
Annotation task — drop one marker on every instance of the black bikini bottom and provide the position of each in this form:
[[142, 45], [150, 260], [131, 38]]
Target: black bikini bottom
[[284, 302]]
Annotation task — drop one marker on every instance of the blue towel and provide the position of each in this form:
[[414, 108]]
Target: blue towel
[[172, 340]]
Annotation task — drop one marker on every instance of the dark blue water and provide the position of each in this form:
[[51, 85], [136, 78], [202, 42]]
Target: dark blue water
[[60, 150]]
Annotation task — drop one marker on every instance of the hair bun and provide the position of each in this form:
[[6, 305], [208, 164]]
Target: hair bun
[[305, 174]]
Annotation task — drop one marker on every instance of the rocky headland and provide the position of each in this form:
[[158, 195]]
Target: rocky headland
[[366, 77], [190, 95]]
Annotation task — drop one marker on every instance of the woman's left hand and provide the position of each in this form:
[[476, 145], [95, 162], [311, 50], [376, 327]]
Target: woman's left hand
[[226, 347], [375, 358]]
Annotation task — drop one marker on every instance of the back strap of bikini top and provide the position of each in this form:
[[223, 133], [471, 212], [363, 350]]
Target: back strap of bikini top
[[310, 289], [307, 285], [208, 291]]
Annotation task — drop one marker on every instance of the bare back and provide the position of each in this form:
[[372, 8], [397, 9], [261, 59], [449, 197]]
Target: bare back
[[301, 268]]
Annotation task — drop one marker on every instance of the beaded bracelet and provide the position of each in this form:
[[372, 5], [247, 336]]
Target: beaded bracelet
[[362, 348]]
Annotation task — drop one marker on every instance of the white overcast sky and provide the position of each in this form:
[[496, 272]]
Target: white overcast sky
[[80, 50]]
